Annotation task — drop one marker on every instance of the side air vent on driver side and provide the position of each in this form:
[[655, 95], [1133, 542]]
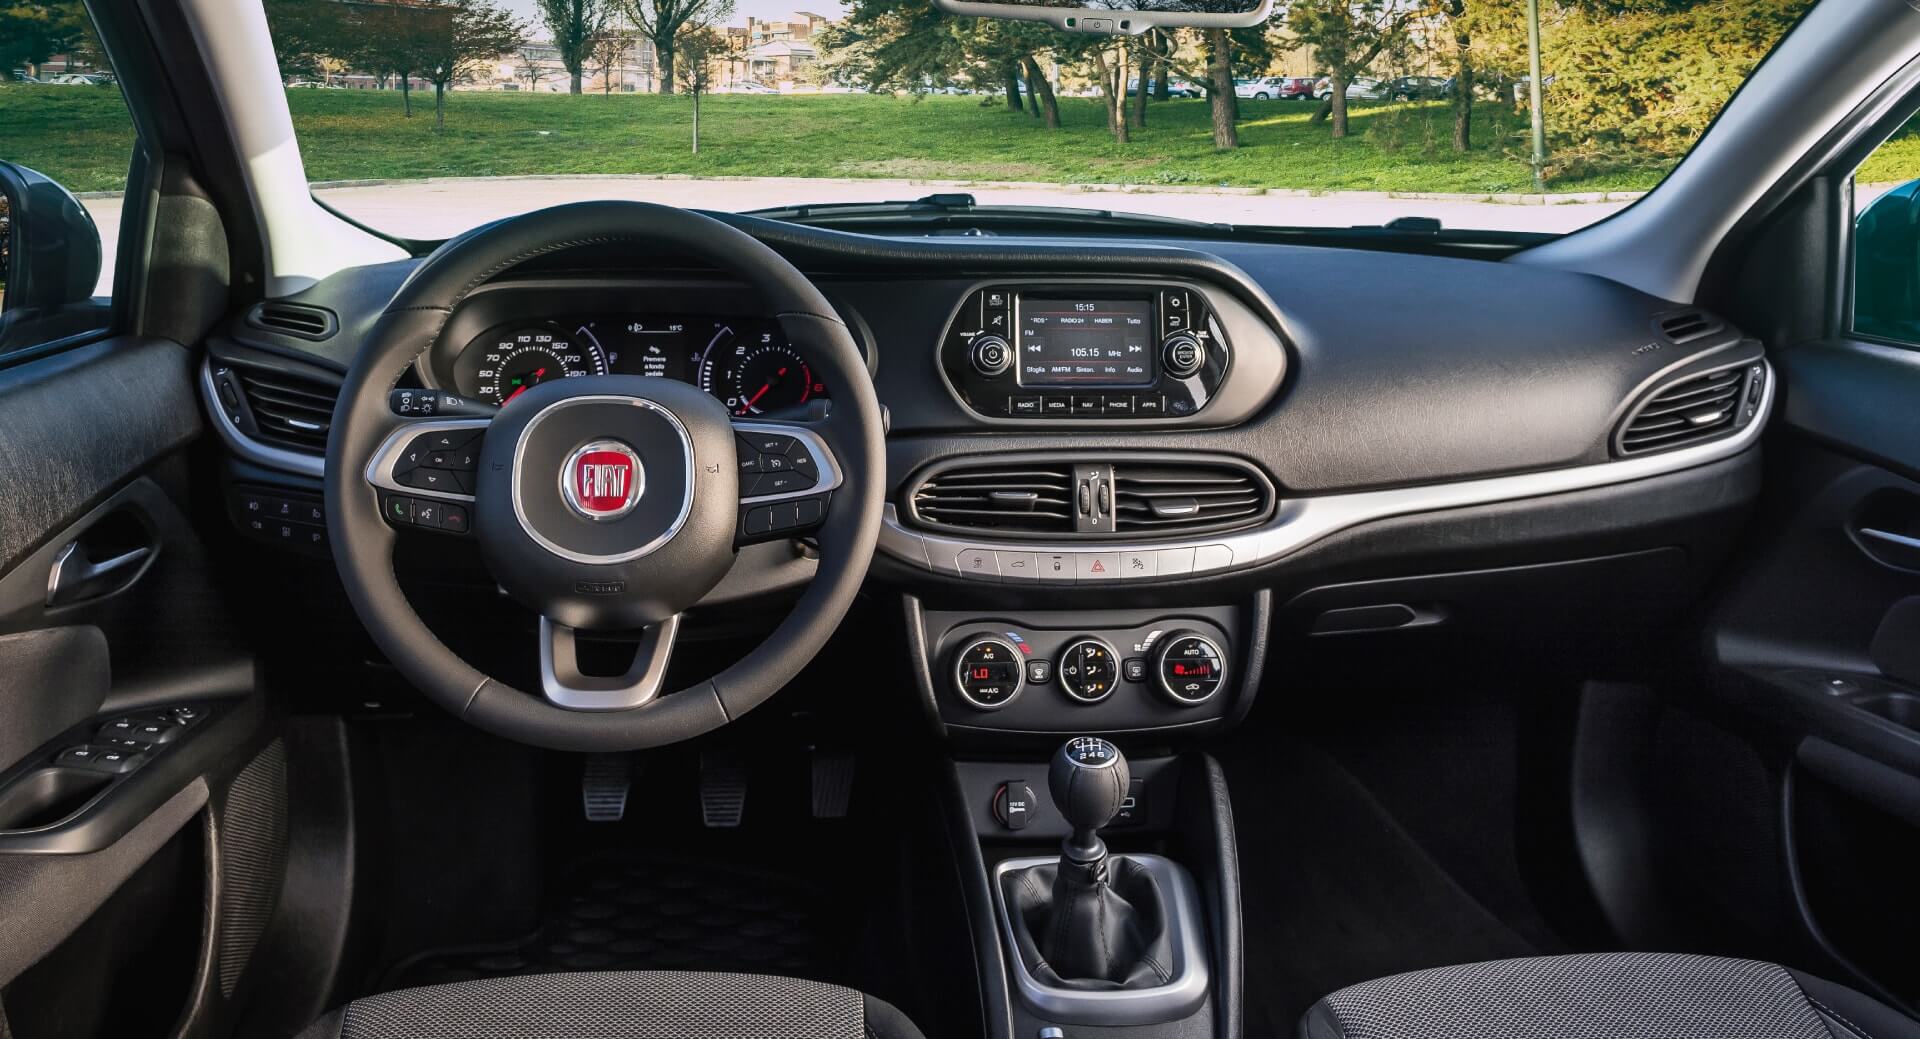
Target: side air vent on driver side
[[293, 319], [1157, 500], [1012, 498], [1696, 408], [287, 409], [1689, 325]]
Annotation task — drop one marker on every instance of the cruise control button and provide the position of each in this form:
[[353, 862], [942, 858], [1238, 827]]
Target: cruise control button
[[769, 443], [780, 483], [749, 462], [774, 463], [803, 463]]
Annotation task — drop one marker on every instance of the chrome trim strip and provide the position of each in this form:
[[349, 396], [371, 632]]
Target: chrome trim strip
[[578, 692], [686, 503], [387, 456], [1890, 537], [823, 460], [1300, 522], [1144, 1006], [248, 448]]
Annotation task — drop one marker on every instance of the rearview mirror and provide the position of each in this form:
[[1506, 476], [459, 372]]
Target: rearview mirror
[[50, 257], [1118, 17]]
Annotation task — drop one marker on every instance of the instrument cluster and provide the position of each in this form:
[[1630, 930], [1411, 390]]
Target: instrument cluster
[[745, 362]]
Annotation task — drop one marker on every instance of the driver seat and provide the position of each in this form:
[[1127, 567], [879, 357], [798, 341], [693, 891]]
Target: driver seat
[[619, 1005]]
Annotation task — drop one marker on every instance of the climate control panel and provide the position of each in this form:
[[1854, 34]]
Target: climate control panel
[[1105, 351], [1094, 671]]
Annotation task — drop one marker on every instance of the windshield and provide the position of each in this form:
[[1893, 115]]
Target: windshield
[[423, 118]]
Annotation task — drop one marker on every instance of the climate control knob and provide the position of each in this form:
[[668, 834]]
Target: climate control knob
[[991, 355], [1182, 355], [988, 672], [1189, 667], [1088, 670]]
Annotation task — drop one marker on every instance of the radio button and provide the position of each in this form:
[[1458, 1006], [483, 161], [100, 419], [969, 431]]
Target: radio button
[[1025, 407]]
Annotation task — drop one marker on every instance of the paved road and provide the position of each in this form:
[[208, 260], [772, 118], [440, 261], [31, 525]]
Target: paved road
[[439, 208]]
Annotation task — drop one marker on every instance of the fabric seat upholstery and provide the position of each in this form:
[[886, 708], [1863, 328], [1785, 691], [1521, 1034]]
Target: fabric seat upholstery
[[619, 1005], [1605, 996]]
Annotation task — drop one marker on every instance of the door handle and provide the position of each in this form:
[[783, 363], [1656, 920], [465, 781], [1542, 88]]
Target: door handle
[[77, 577]]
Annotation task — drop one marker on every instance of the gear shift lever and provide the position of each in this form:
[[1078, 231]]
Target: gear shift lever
[[1088, 779]]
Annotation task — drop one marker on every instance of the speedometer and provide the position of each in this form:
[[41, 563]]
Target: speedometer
[[518, 359]]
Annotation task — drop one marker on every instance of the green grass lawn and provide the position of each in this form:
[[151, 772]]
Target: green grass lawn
[[79, 136]]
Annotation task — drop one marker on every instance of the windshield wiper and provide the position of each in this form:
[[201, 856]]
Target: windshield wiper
[[955, 208]]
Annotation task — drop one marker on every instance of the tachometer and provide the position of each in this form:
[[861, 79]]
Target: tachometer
[[519, 359], [756, 374]]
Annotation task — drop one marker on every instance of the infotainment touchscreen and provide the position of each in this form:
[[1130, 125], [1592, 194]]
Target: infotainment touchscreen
[[1086, 342]]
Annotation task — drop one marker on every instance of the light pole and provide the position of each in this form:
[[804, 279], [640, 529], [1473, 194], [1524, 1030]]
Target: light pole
[[1533, 96]]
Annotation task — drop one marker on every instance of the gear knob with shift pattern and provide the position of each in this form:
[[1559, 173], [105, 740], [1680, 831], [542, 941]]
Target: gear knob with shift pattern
[[1088, 779]]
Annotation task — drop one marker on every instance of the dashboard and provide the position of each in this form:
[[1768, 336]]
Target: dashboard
[[745, 362]]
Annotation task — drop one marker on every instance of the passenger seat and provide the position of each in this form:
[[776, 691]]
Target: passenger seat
[[1631, 995]]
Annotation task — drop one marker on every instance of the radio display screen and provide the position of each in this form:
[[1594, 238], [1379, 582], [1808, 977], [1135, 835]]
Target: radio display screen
[[1087, 342]]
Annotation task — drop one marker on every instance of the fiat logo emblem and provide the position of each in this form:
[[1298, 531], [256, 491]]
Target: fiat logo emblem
[[602, 480]]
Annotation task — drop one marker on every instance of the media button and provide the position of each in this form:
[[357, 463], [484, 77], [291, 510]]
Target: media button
[[1055, 407]]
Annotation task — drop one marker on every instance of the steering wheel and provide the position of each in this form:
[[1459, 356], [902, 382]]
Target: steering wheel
[[610, 502]]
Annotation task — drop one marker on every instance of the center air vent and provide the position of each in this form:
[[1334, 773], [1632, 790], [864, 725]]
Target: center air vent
[[1013, 498], [1156, 500], [1696, 408], [277, 406], [293, 319], [1689, 325]]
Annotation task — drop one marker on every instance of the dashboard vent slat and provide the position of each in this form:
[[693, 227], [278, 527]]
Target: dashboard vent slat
[[288, 410], [1179, 498], [1689, 325], [1014, 499], [293, 319], [1690, 410]]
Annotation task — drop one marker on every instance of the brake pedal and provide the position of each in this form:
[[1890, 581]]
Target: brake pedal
[[832, 784], [723, 791], [605, 780]]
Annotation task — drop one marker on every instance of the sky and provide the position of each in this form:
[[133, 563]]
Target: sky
[[762, 9]]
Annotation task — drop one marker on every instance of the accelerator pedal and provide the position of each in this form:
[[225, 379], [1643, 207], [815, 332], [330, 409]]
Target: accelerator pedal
[[723, 791], [832, 784], [604, 782]]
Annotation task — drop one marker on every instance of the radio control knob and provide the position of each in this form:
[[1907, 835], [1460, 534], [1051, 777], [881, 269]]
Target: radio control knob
[[991, 355], [1182, 355]]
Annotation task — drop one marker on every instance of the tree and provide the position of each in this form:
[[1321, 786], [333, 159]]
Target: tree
[[575, 25], [1220, 96], [393, 40], [699, 46], [306, 35], [1458, 20], [607, 53], [464, 36], [530, 70], [662, 22], [1346, 36]]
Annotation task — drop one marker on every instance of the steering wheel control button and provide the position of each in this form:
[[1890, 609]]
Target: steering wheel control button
[[1013, 804], [426, 513], [1189, 667], [453, 518], [445, 481], [398, 510], [988, 672], [1088, 670]]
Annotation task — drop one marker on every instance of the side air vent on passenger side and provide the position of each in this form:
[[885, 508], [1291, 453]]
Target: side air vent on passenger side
[[1692, 409], [1012, 498], [1158, 500], [1689, 325], [283, 408], [293, 319]]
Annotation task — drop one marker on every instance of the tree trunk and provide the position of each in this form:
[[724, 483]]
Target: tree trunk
[[1038, 83], [696, 122], [1113, 84], [439, 107], [1226, 135], [574, 85], [1462, 89], [1339, 106], [406, 93], [666, 67], [1163, 76], [1012, 75], [1138, 117]]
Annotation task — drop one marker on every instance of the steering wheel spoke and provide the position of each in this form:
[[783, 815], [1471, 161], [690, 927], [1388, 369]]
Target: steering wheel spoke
[[565, 685], [425, 470], [788, 474]]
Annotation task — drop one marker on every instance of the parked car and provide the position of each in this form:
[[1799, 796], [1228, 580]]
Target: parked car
[[20, 76], [1296, 88], [76, 79], [1419, 88], [751, 87], [1265, 88], [1363, 88], [1175, 88]]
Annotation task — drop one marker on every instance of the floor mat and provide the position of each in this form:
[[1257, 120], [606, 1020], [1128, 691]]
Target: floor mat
[[626, 912]]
